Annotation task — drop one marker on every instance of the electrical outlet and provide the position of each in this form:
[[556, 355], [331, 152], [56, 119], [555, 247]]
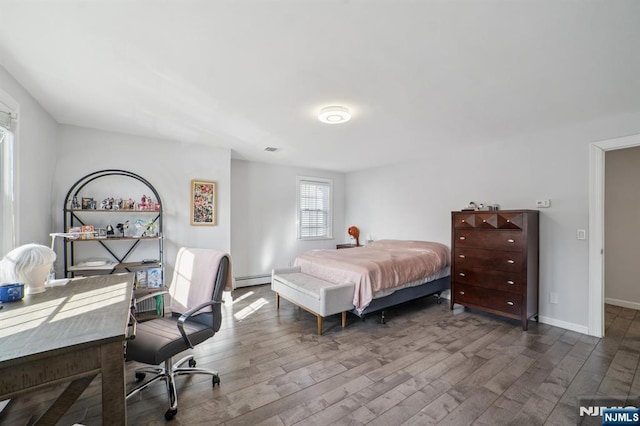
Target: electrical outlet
[[553, 297], [581, 234], [543, 204]]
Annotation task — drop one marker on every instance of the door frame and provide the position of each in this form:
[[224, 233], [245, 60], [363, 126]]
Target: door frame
[[597, 152]]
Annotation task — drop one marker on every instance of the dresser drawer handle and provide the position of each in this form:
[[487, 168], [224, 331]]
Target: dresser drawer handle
[[462, 221], [484, 221], [510, 303], [510, 282], [463, 238], [511, 261], [511, 240], [462, 292], [462, 256], [462, 274]]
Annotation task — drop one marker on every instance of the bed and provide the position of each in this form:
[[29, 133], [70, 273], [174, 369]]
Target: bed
[[385, 273]]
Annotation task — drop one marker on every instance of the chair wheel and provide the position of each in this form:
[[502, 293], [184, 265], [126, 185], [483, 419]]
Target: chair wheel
[[140, 376], [192, 363], [216, 381], [170, 414]]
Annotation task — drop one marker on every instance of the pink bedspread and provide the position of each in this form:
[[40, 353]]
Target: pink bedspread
[[380, 265]]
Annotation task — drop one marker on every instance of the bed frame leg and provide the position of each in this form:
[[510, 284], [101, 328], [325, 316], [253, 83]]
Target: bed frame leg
[[382, 320], [438, 298], [319, 325], [277, 300], [344, 319]]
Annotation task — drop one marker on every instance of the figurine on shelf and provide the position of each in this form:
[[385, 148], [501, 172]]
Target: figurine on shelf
[[122, 227], [110, 232], [150, 229], [147, 203]]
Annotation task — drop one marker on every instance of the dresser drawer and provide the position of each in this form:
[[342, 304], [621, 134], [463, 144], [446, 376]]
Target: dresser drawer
[[492, 240], [489, 278], [469, 294], [510, 303], [465, 258], [488, 220]]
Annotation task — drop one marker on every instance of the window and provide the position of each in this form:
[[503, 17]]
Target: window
[[315, 210], [7, 241]]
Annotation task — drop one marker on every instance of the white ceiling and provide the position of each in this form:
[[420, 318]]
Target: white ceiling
[[247, 74]]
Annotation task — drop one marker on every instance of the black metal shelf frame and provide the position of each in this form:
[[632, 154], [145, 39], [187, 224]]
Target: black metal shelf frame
[[71, 218]]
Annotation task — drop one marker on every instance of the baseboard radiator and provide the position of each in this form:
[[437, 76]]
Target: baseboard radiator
[[253, 280]]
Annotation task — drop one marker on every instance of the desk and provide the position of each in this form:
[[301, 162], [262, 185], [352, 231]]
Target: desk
[[71, 334]]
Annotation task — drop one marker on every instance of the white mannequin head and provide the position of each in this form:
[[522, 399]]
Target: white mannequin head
[[29, 264]]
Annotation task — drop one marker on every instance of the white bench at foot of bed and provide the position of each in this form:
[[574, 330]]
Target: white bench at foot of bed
[[319, 297]]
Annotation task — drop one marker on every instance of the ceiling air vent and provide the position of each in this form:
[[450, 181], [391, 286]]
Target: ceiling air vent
[[271, 149]]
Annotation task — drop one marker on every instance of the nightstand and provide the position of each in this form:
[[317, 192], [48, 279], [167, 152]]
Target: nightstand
[[343, 246]]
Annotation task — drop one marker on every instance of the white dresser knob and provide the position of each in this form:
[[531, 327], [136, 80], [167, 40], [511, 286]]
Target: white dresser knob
[[511, 240], [510, 303], [462, 292], [462, 256], [510, 261], [510, 282], [463, 238]]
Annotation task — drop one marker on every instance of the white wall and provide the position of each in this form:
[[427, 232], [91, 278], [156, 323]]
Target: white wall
[[263, 230], [168, 165], [35, 145], [622, 205], [414, 200]]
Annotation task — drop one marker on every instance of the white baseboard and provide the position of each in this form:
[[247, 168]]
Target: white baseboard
[[563, 324], [622, 303], [252, 280]]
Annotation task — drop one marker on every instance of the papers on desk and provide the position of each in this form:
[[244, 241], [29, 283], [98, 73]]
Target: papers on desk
[[56, 283], [93, 265]]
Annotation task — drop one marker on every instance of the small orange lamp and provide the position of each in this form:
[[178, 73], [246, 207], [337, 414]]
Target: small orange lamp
[[355, 233]]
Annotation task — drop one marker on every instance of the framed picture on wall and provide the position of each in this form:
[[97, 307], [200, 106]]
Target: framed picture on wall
[[203, 203]]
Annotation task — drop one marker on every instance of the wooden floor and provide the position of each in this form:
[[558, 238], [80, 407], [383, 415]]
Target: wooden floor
[[426, 365]]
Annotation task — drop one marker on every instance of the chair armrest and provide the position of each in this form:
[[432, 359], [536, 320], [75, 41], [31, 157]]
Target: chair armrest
[[185, 316]]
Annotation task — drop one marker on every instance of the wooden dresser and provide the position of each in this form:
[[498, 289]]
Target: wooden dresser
[[495, 262]]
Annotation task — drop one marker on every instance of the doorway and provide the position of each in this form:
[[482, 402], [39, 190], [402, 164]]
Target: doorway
[[597, 152]]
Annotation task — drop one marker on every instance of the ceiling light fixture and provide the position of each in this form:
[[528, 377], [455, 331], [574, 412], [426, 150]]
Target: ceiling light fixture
[[334, 115]]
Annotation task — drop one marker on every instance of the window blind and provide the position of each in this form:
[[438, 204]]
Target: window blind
[[314, 209]]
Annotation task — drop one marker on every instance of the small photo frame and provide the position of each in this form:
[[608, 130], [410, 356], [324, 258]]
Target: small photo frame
[[88, 203], [203, 203]]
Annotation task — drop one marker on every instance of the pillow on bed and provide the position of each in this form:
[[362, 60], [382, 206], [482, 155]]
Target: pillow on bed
[[441, 250], [402, 244]]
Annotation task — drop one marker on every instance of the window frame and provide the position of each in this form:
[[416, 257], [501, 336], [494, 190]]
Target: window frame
[[328, 183], [7, 189]]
